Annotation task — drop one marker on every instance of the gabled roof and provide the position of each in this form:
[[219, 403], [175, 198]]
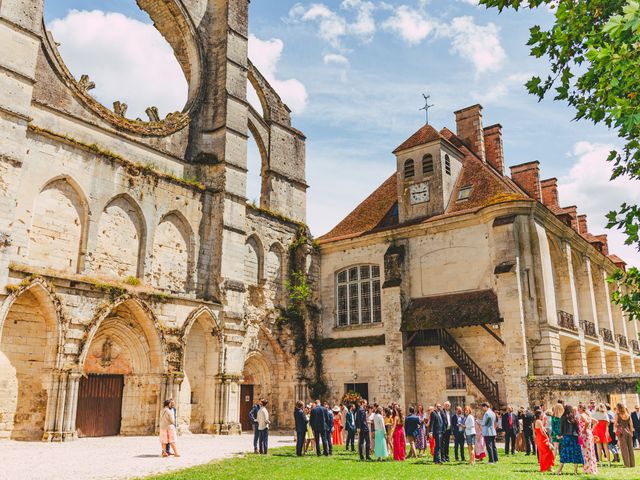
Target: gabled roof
[[379, 210], [426, 134]]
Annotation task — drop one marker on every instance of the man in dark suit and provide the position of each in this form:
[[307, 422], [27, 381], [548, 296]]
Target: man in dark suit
[[457, 425], [328, 427], [511, 429], [411, 431], [635, 420], [436, 426], [301, 427], [316, 418], [527, 429], [446, 431], [253, 418], [364, 437]]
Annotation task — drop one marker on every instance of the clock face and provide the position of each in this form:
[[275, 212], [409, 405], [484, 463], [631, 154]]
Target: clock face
[[419, 193]]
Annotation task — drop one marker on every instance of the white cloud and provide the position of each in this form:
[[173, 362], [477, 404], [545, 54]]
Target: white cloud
[[477, 43], [499, 91], [265, 55], [127, 59], [587, 185], [410, 24], [336, 58]]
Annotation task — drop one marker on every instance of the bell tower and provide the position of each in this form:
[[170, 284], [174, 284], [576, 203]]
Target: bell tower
[[427, 170]]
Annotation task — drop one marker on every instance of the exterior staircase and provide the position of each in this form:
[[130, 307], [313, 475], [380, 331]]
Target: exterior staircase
[[472, 370]]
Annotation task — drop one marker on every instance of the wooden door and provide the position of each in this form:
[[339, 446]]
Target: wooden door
[[246, 403], [99, 405]]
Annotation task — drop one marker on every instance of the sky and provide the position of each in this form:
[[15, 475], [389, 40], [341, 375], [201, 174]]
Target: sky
[[353, 72]]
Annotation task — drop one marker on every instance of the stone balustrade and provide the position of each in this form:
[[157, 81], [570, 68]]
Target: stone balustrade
[[607, 336], [567, 321], [589, 328], [622, 341]]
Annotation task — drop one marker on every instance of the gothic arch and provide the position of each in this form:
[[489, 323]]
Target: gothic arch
[[123, 228], [173, 253], [31, 334], [194, 316], [58, 238], [254, 260]]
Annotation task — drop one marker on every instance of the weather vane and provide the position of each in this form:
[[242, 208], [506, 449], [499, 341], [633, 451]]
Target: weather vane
[[426, 106]]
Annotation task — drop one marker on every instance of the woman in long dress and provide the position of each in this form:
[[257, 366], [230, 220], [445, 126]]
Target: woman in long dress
[[380, 447], [570, 451], [545, 454], [399, 440], [389, 426], [481, 446], [624, 428], [421, 439], [336, 436], [601, 435], [587, 444], [168, 429]]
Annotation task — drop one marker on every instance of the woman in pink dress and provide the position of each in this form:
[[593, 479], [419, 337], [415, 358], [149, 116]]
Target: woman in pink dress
[[585, 439], [481, 446], [399, 440]]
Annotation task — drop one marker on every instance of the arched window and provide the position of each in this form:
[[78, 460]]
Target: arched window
[[358, 295], [409, 170], [427, 164], [447, 165]]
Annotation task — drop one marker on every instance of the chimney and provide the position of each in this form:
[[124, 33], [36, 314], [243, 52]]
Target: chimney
[[605, 244], [569, 216], [550, 193], [582, 224], [469, 129], [527, 176], [493, 147]]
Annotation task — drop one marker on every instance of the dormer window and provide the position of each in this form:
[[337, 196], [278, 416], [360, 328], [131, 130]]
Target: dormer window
[[447, 165], [464, 193], [409, 170], [427, 164]]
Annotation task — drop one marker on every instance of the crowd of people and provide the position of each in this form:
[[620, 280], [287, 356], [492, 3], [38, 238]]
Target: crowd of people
[[590, 435]]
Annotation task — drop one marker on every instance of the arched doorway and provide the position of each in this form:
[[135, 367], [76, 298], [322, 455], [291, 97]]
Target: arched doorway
[[594, 361], [257, 384], [29, 337], [201, 366], [123, 368]]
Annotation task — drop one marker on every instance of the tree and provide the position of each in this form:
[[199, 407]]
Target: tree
[[593, 49]]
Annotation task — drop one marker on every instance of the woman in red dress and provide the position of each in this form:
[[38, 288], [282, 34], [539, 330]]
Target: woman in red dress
[[545, 454], [337, 427], [601, 433], [399, 440]]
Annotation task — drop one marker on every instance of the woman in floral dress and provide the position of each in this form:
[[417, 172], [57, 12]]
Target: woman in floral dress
[[585, 424], [421, 439]]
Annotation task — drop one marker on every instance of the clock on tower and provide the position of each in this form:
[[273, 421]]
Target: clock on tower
[[419, 193]]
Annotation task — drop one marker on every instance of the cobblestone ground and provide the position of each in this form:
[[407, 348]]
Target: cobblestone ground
[[116, 457]]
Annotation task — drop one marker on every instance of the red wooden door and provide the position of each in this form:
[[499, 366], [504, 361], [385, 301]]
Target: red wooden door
[[99, 405], [246, 403]]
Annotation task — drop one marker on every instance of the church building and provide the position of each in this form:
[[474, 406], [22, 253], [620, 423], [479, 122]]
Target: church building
[[454, 280]]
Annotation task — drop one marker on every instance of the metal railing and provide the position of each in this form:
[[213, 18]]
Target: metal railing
[[607, 336], [635, 346], [622, 341], [567, 321], [589, 328]]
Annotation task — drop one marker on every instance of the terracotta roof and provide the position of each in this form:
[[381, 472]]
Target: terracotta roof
[[616, 259], [451, 311], [373, 212], [426, 134]]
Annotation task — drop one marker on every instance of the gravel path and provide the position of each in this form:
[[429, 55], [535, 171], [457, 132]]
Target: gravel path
[[116, 457]]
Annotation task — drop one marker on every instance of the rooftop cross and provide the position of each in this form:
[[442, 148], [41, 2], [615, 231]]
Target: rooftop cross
[[426, 106]]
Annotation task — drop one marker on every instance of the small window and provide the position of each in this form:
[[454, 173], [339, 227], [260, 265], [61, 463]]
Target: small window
[[409, 170], [427, 164], [464, 193], [456, 379], [447, 165], [457, 401]]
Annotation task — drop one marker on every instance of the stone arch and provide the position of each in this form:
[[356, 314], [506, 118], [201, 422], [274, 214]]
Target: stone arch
[[274, 271], [258, 372], [626, 363], [594, 361], [173, 254], [202, 363], [121, 239], [257, 160], [273, 106], [611, 359], [127, 340], [58, 234], [572, 358], [31, 332], [253, 261]]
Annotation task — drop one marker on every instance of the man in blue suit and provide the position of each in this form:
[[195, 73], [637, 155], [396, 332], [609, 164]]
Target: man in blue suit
[[328, 427], [364, 436], [436, 426], [301, 427], [253, 418], [316, 419]]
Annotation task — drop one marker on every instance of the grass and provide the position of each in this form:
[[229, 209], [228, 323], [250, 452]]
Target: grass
[[282, 464]]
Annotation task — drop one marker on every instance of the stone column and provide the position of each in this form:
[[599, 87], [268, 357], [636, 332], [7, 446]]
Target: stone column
[[61, 407], [574, 303], [228, 403], [52, 406], [73, 385]]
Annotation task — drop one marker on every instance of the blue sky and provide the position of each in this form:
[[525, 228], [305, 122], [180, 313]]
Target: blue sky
[[354, 72]]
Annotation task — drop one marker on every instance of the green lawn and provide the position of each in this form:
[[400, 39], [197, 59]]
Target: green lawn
[[282, 464]]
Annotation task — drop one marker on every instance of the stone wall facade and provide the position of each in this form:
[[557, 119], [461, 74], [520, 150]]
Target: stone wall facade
[[128, 246]]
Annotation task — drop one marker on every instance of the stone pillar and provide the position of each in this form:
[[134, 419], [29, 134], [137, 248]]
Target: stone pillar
[[61, 407], [73, 385], [228, 405], [574, 303], [52, 406]]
